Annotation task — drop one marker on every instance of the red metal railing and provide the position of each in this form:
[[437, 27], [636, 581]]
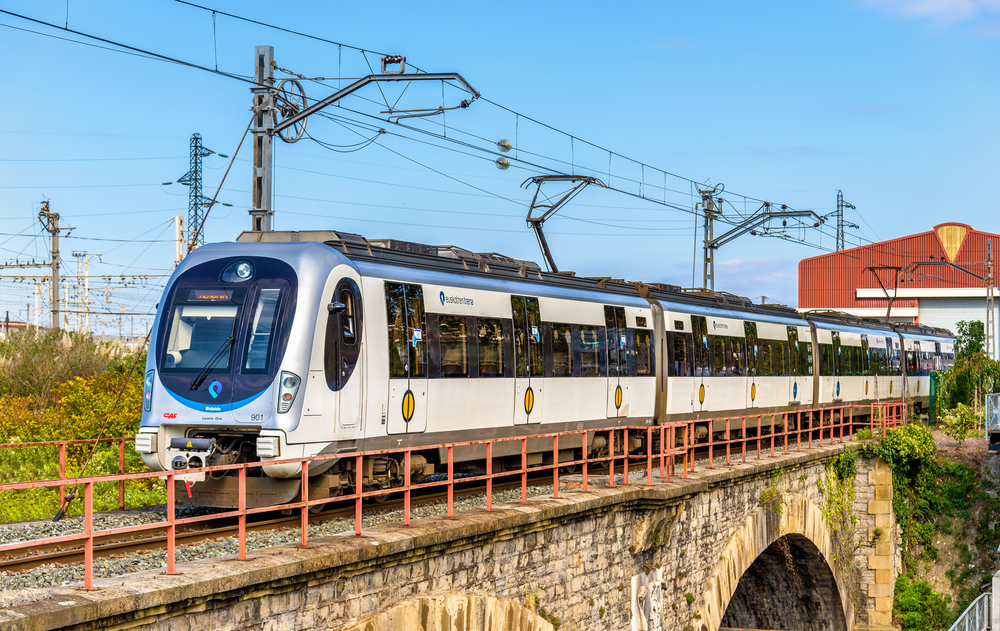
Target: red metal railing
[[674, 442], [63, 444]]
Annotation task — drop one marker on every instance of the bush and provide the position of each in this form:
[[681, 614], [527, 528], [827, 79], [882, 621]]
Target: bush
[[958, 422], [906, 449], [919, 607]]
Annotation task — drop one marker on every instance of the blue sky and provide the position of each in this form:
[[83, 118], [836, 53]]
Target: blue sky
[[892, 101]]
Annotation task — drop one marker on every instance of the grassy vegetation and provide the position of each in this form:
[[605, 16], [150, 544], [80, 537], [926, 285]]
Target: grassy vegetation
[[60, 386], [937, 500]]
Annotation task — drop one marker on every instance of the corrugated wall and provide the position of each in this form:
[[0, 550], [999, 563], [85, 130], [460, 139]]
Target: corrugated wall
[[831, 280]]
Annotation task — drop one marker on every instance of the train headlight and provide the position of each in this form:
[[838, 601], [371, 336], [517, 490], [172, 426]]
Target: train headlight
[[147, 391], [287, 389], [238, 272]]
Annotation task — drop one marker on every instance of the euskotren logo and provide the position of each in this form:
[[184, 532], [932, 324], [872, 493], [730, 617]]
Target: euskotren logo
[[454, 300]]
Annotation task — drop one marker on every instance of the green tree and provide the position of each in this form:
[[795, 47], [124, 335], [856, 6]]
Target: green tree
[[970, 339]]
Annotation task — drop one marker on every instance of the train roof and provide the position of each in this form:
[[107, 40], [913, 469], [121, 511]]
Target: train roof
[[456, 260]]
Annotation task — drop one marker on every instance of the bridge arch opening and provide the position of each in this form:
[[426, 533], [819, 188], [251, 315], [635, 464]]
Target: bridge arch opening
[[788, 586], [452, 612]]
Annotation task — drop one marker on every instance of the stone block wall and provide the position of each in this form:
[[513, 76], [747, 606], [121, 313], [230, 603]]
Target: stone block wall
[[880, 557], [629, 557]]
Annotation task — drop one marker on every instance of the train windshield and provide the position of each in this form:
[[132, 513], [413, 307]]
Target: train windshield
[[203, 320]]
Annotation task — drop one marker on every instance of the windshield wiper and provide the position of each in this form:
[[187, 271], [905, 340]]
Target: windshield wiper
[[210, 366]]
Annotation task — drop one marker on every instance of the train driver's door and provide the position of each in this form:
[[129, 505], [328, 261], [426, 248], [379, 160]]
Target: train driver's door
[[342, 354], [528, 362], [407, 413], [618, 361]]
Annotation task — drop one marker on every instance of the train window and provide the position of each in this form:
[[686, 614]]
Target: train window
[[681, 364], [342, 347], [702, 352], [750, 357], [347, 323], [736, 351], [454, 336], [826, 359], [794, 369], [527, 337], [645, 365], [720, 356], [490, 347], [614, 327], [805, 358], [562, 350], [405, 317], [766, 358], [261, 331], [198, 331], [589, 344], [780, 353]]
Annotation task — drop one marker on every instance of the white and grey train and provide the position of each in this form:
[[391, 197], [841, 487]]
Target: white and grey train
[[289, 345]]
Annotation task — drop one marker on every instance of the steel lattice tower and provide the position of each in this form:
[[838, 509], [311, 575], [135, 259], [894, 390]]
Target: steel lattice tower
[[197, 203]]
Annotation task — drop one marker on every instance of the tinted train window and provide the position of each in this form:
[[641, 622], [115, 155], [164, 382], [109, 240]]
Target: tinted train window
[[793, 352], [766, 358], [343, 334], [780, 353], [737, 348], [405, 318], [589, 344], [826, 359], [719, 356], [644, 354], [203, 321], [261, 331], [490, 347], [680, 359], [527, 337], [750, 358], [454, 336], [562, 350], [614, 327]]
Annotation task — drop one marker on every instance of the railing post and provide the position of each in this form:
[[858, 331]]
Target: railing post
[[451, 482], [743, 438], [358, 486], [489, 481], [625, 452], [772, 435], [88, 529], [62, 472], [406, 484], [171, 528], [759, 423], [524, 470], [784, 423], [121, 471], [304, 495], [243, 514], [663, 447], [586, 455], [711, 444], [555, 466], [685, 451], [649, 456], [798, 430], [729, 439], [611, 461]]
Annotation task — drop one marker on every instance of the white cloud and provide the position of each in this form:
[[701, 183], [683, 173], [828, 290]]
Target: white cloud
[[941, 10]]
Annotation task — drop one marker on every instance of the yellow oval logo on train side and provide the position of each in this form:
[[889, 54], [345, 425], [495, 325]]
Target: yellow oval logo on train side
[[618, 397], [918, 385], [529, 400], [409, 405], [753, 391], [701, 394], [866, 388], [890, 387]]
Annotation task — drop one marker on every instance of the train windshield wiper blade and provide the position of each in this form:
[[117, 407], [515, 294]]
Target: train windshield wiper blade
[[210, 366]]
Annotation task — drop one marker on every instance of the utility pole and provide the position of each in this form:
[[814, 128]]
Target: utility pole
[[179, 245], [80, 301], [37, 293], [263, 124], [841, 205], [281, 109], [50, 222], [991, 342], [708, 205], [197, 203]]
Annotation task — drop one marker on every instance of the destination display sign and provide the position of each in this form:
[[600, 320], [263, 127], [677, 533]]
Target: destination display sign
[[210, 295]]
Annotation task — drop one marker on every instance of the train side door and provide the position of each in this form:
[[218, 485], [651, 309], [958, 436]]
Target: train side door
[[796, 381], [866, 368], [528, 362], [838, 366], [702, 361], [750, 330], [407, 413], [618, 361], [342, 353]]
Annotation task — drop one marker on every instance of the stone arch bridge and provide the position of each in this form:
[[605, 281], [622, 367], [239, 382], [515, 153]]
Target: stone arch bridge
[[750, 545]]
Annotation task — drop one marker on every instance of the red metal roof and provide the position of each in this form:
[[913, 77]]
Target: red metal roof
[[831, 280]]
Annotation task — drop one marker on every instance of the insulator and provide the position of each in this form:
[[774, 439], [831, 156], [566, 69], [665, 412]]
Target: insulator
[[504, 145], [502, 163]]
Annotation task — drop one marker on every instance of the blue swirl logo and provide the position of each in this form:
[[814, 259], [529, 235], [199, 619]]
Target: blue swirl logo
[[215, 389], [442, 297]]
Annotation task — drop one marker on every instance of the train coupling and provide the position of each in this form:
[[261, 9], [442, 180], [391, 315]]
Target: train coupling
[[191, 453]]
